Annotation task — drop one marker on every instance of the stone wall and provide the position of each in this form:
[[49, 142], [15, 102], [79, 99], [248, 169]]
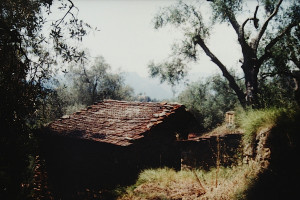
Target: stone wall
[[260, 151], [210, 151]]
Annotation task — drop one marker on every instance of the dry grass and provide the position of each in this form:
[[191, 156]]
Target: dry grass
[[168, 184]]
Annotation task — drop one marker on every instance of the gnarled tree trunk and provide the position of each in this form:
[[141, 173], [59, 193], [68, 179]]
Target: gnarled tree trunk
[[250, 68]]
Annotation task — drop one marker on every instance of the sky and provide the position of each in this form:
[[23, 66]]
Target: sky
[[128, 41]]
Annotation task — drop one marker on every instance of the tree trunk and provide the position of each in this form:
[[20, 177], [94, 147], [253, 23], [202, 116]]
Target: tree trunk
[[251, 69], [232, 83], [296, 75], [251, 84]]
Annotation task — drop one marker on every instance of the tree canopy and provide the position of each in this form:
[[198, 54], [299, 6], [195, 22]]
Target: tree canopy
[[209, 100], [28, 52], [95, 82], [257, 34], [30, 45], [81, 85]]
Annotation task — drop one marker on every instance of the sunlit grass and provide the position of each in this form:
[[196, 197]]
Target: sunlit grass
[[166, 183]]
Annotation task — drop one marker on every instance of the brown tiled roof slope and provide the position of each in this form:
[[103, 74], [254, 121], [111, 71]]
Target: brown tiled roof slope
[[115, 122]]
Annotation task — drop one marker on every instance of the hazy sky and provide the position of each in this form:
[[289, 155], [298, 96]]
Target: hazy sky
[[128, 41]]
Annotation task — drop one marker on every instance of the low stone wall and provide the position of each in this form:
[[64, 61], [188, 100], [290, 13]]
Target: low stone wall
[[211, 151], [260, 151]]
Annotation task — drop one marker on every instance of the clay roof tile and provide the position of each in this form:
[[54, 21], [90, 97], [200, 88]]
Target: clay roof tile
[[115, 122]]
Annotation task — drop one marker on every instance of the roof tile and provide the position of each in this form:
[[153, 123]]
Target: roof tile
[[115, 122]]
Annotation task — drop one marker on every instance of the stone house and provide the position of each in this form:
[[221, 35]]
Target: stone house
[[111, 141]]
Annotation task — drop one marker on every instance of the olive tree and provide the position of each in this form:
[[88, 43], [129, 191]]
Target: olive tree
[[256, 33], [285, 62], [209, 100], [30, 45], [93, 82]]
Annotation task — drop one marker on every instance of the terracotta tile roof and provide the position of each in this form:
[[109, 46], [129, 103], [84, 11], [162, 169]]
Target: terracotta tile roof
[[115, 122]]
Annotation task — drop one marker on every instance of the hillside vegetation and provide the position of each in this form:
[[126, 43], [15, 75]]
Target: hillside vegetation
[[247, 180]]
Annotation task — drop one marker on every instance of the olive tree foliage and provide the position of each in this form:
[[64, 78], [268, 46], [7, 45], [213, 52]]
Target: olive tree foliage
[[257, 33], [30, 45], [277, 91], [28, 53], [81, 85], [209, 100], [284, 64], [95, 82]]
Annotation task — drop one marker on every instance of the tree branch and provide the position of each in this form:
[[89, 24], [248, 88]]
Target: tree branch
[[242, 32], [265, 25], [295, 60], [232, 83], [267, 53], [238, 29], [236, 26], [243, 26], [69, 11], [255, 20], [85, 74]]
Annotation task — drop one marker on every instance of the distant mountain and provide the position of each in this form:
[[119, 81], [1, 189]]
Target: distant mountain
[[150, 87]]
